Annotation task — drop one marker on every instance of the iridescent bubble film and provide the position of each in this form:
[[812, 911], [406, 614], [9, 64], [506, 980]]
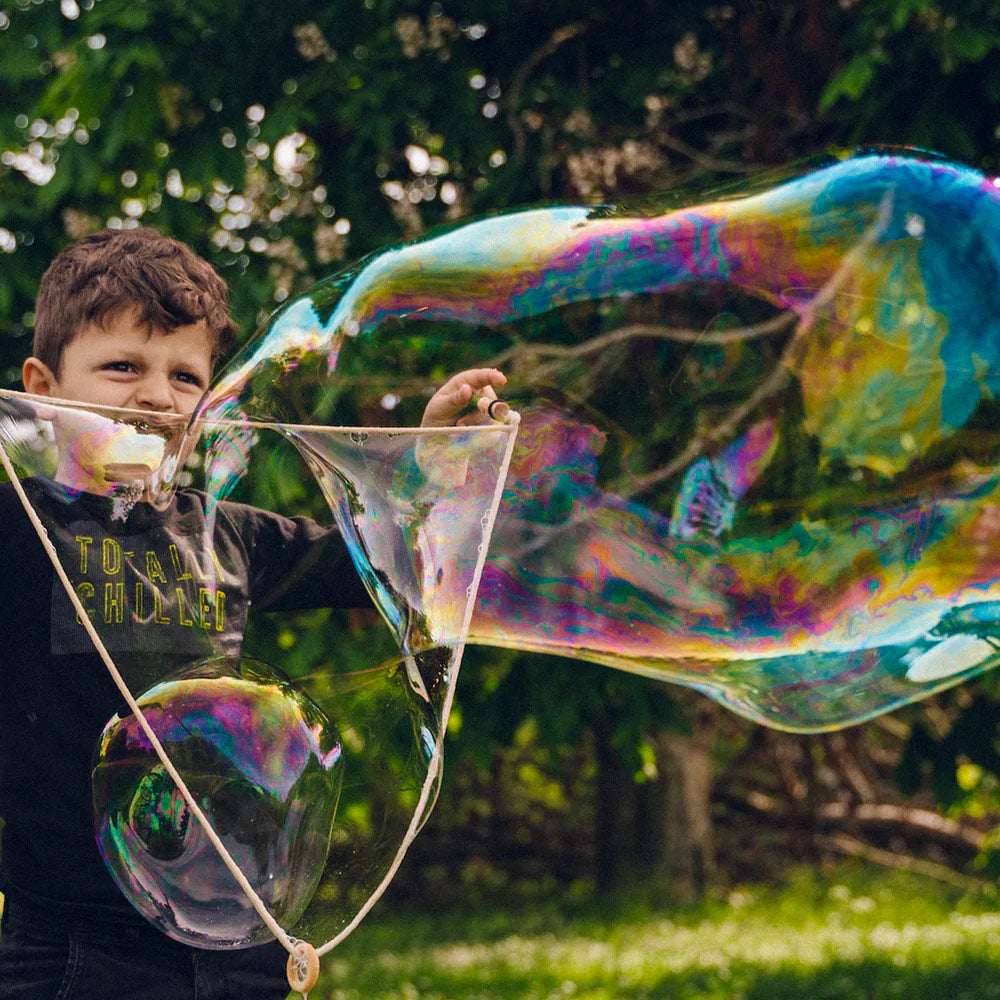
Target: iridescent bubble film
[[759, 437], [264, 765]]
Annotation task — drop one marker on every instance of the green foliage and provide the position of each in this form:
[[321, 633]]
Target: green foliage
[[853, 80], [564, 698], [912, 64], [972, 738], [396, 116]]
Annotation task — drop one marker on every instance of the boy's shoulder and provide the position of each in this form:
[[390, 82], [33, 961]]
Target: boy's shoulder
[[11, 507], [19, 540], [188, 498]]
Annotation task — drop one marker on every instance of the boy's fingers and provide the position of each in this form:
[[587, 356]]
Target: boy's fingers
[[489, 405], [480, 378], [459, 392], [465, 385], [493, 376]]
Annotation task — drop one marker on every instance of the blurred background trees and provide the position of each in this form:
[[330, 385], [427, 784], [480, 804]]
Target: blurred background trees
[[285, 140]]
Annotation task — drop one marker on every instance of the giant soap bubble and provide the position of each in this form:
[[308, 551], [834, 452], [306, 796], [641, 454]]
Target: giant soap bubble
[[759, 437]]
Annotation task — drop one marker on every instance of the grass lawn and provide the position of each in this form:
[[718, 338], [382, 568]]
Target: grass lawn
[[862, 933]]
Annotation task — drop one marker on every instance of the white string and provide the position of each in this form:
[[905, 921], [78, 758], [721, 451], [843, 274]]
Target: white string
[[180, 419]]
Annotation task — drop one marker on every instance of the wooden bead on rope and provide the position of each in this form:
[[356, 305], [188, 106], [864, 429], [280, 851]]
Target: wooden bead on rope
[[495, 409], [302, 967]]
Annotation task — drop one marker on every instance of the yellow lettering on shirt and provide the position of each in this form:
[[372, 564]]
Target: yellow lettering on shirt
[[220, 574], [158, 616], [83, 541], [179, 591], [200, 601], [114, 603], [204, 607], [153, 568], [175, 558], [194, 568], [83, 591], [111, 557]]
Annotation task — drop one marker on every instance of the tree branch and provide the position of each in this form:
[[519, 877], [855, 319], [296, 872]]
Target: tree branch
[[637, 331], [922, 822], [558, 38], [843, 844]]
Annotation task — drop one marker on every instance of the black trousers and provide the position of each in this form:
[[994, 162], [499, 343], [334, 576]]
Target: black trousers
[[48, 957]]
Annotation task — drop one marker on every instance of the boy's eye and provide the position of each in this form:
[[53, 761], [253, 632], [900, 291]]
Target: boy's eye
[[120, 366], [188, 377]]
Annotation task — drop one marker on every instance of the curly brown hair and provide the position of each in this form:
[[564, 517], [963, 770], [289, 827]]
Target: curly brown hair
[[164, 280]]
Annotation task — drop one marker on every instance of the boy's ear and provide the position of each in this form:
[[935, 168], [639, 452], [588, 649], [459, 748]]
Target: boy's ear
[[38, 378]]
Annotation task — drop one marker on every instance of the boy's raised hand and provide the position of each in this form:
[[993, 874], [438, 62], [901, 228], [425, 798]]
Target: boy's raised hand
[[447, 404]]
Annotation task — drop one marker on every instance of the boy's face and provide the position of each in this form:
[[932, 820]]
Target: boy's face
[[125, 364]]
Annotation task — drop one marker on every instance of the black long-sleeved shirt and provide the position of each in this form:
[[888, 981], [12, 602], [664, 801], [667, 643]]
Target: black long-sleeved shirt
[[163, 594]]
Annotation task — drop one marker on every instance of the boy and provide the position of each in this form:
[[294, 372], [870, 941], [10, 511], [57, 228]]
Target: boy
[[134, 320]]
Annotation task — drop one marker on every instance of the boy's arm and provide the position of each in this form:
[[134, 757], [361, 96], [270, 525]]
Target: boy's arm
[[445, 406]]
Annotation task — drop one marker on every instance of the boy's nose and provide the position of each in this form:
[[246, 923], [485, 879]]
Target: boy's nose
[[154, 394]]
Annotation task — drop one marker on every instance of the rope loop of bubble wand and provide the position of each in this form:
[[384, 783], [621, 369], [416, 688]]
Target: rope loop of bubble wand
[[302, 967]]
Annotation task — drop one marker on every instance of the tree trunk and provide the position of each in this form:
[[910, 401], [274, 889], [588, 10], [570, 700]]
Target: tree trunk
[[613, 808], [686, 857]]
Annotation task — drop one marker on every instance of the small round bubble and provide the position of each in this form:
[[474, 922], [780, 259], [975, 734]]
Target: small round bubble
[[263, 764]]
